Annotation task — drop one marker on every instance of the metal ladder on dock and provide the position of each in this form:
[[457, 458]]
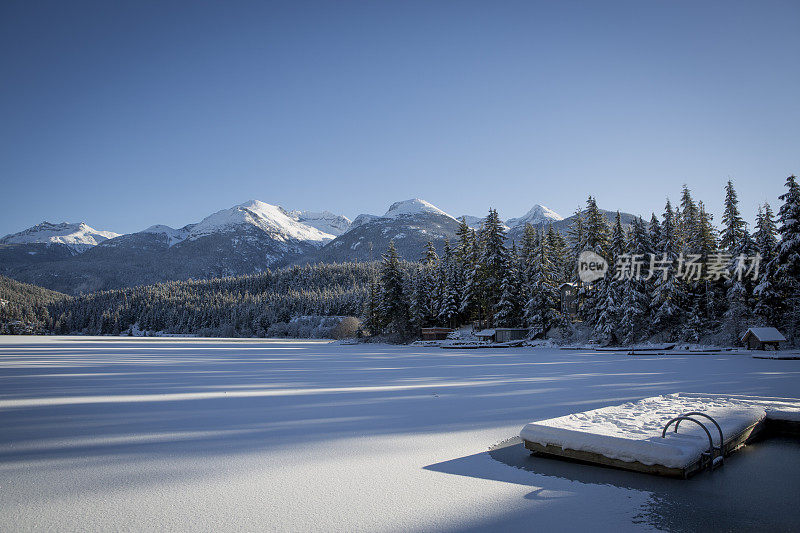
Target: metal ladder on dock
[[715, 455]]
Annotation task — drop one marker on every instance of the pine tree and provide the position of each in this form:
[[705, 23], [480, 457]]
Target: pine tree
[[734, 228], [492, 262], [541, 309], [470, 290], [576, 237], [507, 311], [654, 230], [394, 307], [557, 249], [735, 240], [447, 292], [787, 259], [430, 258], [635, 292], [597, 231], [686, 221], [597, 238], [666, 307], [769, 305]]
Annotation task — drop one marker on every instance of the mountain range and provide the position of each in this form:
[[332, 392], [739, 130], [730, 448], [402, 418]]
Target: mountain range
[[244, 239]]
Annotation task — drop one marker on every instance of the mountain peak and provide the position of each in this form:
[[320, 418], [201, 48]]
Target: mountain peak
[[271, 219], [79, 236], [324, 221], [538, 214], [415, 206]]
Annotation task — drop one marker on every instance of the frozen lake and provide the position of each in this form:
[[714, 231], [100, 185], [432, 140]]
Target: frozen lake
[[195, 434]]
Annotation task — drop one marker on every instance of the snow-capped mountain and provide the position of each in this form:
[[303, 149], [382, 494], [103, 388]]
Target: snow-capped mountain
[[172, 235], [410, 224], [78, 237], [243, 239], [272, 220], [538, 215], [363, 218], [413, 207], [325, 221]]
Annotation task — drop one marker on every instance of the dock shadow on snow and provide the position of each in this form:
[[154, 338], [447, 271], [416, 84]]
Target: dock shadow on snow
[[754, 490]]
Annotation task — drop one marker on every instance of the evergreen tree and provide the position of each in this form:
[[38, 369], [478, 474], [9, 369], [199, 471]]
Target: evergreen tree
[[492, 262], [654, 230], [541, 309], [576, 238], [666, 307], [430, 258], [508, 310], [769, 304], [557, 249], [734, 228], [597, 238], [786, 264], [394, 307], [448, 290]]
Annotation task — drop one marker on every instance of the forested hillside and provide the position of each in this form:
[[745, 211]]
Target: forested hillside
[[28, 304], [236, 306]]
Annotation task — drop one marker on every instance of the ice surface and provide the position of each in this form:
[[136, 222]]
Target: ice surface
[[106, 434]]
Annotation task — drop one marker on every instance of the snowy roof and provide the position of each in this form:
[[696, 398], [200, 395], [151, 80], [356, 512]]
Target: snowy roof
[[764, 334], [485, 333]]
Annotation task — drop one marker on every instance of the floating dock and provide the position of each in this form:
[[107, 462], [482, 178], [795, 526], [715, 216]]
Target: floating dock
[[673, 435]]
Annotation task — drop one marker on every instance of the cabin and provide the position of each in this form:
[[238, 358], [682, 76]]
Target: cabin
[[502, 334], [510, 334], [569, 299], [762, 339], [435, 334]]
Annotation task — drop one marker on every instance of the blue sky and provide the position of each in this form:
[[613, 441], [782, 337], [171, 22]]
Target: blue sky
[[127, 114]]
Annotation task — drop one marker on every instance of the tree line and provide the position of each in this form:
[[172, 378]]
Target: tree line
[[482, 276]]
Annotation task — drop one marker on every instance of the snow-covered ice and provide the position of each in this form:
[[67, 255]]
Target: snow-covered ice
[[106, 434]]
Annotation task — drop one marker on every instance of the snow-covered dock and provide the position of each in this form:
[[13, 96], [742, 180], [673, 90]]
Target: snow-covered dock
[[629, 436]]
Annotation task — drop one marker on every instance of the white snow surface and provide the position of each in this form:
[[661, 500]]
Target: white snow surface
[[538, 214], [154, 434], [325, 221], [78, 236], [413, 207], [271, 219], [632, 431]]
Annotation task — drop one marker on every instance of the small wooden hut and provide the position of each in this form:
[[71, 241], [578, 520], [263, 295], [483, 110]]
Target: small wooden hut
[[762, 339]]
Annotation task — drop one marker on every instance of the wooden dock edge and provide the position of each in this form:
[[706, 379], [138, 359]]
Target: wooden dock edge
[[731, 445]]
